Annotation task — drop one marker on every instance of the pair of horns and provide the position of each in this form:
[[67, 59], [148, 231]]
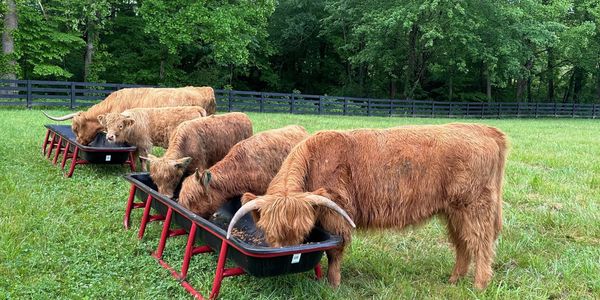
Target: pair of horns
[[314, 200], [65, 117]]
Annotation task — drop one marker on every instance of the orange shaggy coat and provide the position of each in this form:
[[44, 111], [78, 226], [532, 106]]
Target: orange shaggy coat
[[147, 127], [393, 178], [198, 144], [85, 124], [256, 160]]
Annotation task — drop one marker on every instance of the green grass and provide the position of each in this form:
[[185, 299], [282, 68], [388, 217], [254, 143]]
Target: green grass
[[64, 237]]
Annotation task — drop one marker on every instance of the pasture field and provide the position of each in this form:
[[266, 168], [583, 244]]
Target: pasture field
[[64, 238]]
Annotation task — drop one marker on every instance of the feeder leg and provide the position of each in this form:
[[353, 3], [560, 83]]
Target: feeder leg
[[129, 206], [45, 144], [73, 161], [57, 153], [65, 154], [164, 234], [188, 252], [145, 217], [131, 162], [51, 145], [220, 268], [318, 272]]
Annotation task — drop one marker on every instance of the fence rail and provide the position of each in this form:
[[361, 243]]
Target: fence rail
[[31, 93]]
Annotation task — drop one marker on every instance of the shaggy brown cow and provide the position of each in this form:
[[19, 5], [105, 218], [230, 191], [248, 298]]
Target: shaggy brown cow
[[147, 127], [256, 159], [85, 123], [197, 144], [391, 178]]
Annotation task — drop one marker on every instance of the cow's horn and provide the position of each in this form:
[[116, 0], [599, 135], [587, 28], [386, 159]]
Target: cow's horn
[[65, 117], [320, 200], [246, 208]]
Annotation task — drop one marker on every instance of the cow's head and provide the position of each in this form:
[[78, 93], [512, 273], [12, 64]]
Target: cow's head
[[286, 220], [84, 128], [116, 125], [166, 173], [195, 194]]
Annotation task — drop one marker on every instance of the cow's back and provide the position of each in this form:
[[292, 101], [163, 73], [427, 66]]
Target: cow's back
[[209, 138]]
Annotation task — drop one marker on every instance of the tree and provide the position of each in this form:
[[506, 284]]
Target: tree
[[8, 43]]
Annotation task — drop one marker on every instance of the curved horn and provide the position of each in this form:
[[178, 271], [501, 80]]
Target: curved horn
[[65, 117], [320, 200], [246, 208]]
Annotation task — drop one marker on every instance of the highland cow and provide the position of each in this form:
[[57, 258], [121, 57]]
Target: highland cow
[[256, 160], [197, 144], [85, 123], [390, 178], [147, 127]]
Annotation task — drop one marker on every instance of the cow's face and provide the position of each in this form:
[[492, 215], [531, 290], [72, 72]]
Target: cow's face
[[166, 173], [116, 126], [285, 220], [195, 194], [85, 130]]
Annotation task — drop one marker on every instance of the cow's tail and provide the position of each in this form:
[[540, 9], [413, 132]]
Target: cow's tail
[[503, 147]]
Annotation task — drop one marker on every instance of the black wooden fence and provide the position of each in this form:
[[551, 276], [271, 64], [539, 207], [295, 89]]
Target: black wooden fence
[[31, 93]]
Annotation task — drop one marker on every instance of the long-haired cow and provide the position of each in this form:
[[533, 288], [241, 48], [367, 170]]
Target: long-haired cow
[[85, 124], [197, 144], [147, 127], [248, 167], [390, 178]]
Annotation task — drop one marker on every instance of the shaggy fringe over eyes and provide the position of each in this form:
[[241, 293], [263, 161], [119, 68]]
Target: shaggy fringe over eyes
[[287, 220]]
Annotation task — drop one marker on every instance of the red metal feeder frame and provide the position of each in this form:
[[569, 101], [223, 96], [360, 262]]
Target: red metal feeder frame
[[62, 139], [255, 260]]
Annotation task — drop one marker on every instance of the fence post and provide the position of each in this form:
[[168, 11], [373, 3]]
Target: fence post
[[369, 107], [573, 112], [555, 109], [518, 109], [413, 107], [28, 101], [345, 105], [72, 94], [482, 109], [432, 109], [467, 114], [594, 111], [450, 110], [292, 104], [499, 109], [320, 104], [537, 104], [261, 107], [391, 106], [229, 104]]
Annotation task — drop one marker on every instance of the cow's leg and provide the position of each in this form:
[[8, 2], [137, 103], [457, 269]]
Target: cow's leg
[[144, 153], [479, 232], [334, 270], [463, 257]]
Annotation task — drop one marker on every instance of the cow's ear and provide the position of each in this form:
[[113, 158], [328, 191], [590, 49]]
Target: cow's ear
[[183, 163], [128, 122], [102, 119], [247, 197]]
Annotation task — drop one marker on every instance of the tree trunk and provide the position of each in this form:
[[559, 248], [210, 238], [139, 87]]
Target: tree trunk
[[520, 87], [411, 63], [569, 87], [161, 70], [598, 84], [488, 84], [89, 50], [529, 89], [450, 91], [578, 84], [550, 75], [8, 42], [393, 88]]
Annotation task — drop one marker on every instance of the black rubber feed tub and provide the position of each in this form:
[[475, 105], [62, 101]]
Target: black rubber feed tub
[[248, 250], [99, 151]]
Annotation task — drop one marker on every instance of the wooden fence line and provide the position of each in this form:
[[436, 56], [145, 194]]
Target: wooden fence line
[[31, 93]]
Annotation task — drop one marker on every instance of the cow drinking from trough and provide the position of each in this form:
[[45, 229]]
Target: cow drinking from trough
[[390, 178], [85, 124], [147, 127], [248, 167], [197, 144]]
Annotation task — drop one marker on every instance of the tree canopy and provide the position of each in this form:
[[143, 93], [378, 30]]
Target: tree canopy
[[471, 50]]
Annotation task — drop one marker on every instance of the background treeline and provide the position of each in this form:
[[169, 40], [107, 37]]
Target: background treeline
[[472, 50]]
